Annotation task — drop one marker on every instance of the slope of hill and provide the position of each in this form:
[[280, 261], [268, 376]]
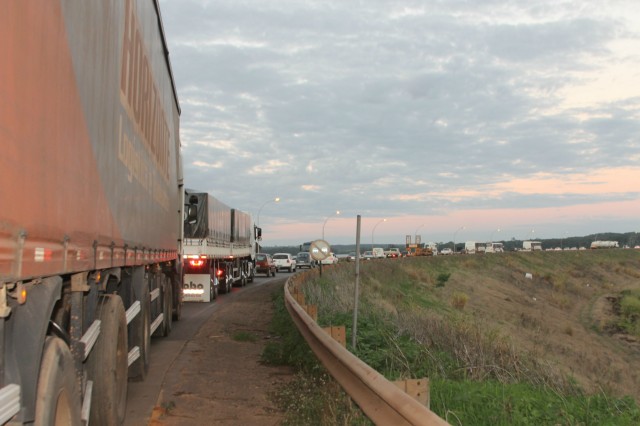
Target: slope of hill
[[556, 320]]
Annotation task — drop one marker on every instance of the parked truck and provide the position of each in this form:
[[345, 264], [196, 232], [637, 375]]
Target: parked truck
[[91, 216], [604, 244], [473, 247], [218, 249], [531, 245]]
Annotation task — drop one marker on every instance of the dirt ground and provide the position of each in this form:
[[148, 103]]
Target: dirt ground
[[218, 378]]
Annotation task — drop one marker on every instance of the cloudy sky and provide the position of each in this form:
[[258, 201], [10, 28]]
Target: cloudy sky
[[508, 118]]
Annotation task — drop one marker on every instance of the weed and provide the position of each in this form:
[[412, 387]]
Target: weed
[[477, 373], [244, 336], [459, 300], [442, 279]]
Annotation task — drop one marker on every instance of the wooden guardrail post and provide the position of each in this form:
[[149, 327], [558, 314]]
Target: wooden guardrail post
[[338, 332], [311, 310], [418, 389]]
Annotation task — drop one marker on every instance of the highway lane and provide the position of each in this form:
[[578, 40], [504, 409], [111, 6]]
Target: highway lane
[[142, 396]]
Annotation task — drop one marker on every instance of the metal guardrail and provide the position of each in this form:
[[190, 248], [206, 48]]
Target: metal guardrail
[[382, 401]]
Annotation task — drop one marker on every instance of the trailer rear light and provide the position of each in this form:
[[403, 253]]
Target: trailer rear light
[[196, 263], [21, 293], [219, 272]]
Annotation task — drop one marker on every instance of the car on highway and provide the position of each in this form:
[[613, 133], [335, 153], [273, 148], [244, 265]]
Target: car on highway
[[284, 261], [368, 255], [304, 260], [330, 260], [446, 251], [265, 264]]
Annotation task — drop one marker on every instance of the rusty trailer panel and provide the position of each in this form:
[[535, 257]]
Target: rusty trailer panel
[[89, 129]]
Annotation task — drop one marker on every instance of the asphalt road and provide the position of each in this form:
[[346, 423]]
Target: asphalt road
[[142, 396]]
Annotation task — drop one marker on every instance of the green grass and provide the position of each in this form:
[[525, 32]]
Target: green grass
[[491, 403], [406, 329], [244, 336], [630, 312], [312, 397]]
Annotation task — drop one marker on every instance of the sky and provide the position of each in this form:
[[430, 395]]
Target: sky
[[451, 119]]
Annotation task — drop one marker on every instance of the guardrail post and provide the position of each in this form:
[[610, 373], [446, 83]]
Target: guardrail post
[[338, 333], [312, 311], [418, 389]]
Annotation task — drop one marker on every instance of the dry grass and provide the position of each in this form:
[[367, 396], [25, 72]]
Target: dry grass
[[554, 329]]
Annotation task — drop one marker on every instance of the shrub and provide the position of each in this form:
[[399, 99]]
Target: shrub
[[459, 300], [442, 279]]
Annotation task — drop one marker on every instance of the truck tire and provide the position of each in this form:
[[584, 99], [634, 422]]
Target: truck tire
[[167, 322], [58, 397], [167, 308], [107, 364], [139, 335], [177, 312], [213, 292]]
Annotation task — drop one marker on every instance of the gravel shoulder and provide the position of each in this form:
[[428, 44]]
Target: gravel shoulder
[[218, 377]]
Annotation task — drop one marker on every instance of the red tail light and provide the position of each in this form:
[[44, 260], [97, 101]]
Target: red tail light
[[196, 263], [219, 272]]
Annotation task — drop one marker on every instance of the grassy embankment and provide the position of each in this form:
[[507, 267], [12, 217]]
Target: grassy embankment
[[498, 348]]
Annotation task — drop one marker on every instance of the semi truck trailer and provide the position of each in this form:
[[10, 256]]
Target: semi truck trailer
[[91, 206], [219, 247]]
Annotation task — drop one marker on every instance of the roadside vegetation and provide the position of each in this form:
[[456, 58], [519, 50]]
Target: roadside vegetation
[[561, 347]]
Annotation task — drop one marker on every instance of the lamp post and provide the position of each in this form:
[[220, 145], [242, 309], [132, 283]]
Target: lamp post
[[374, 228], [491, 237], [274, 200], [325, 222], [454, 238]]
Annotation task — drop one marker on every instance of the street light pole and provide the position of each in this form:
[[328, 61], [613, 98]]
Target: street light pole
[[325, 222], [374, 228], [492, 232], [454, 238], [274, 200]]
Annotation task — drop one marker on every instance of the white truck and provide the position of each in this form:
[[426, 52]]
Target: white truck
[[378, 252], [494, 248], [531, 245], [218, 250], [604, 244], [472, 247]]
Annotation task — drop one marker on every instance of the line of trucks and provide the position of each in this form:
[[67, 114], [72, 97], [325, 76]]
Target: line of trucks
[[99, 239]]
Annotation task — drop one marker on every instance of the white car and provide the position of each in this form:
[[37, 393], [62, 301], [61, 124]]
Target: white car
[[368, 255], [284, 261], [446, 251], [330, 260]]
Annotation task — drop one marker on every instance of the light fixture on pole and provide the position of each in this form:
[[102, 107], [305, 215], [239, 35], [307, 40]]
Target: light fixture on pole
[[492, 232], [274, 200], [454, 238], [256, 228], [374, 228], [325, 222]]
